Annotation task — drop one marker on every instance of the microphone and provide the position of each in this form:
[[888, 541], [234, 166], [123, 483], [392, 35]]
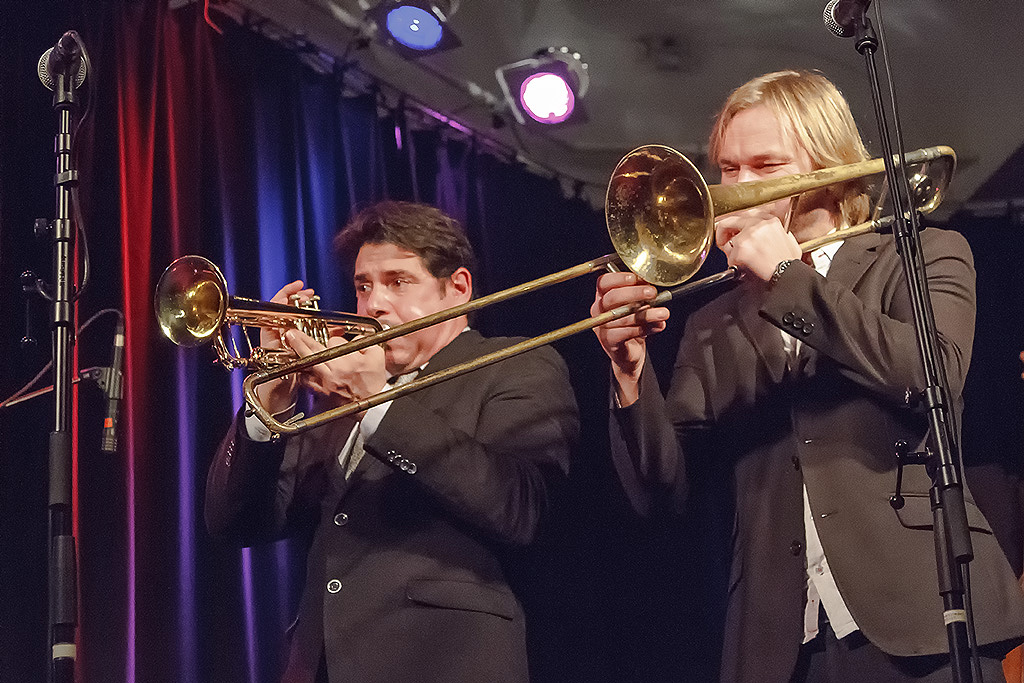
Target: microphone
[[842, 17], [63, 58], [114, 390]]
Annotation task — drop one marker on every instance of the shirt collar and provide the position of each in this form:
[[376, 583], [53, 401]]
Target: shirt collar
[[822, 256]]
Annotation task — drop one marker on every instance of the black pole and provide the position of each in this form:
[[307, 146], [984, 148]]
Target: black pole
[[952, 538], [61, 65]]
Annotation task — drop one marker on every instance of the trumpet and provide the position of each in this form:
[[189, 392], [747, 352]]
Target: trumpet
[[193, 307], [660, 215]]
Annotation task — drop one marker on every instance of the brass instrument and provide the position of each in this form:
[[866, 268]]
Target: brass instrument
[[660, 214], [193, 307]]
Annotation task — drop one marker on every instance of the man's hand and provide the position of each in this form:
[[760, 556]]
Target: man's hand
[[755, 241], [624, 340], [279, 394], [350, 377]]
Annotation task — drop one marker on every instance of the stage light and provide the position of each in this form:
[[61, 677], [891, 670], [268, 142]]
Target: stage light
[[546, 88], [416, 27], [547, 98]]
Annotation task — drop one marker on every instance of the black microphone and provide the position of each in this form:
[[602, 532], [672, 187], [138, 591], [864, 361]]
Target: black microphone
[[114, 390], [63, 58], [842, 17]]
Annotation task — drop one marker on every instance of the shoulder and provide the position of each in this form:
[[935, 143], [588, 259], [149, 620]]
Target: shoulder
[[940, 246], [935, 239], [949, 241], [543, 355], [471, 345]]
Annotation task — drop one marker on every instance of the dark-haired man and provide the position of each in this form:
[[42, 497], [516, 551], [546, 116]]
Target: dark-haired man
[[412, 502]]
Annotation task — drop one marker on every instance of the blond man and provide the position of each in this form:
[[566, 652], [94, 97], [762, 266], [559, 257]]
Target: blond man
[[800, 380]]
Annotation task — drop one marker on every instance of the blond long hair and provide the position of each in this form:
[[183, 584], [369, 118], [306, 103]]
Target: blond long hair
[[810, 107]]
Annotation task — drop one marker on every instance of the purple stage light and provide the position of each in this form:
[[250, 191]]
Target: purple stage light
[[546, 88], [547, 98]]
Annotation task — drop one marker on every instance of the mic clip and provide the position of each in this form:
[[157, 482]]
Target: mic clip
[[109, 380]]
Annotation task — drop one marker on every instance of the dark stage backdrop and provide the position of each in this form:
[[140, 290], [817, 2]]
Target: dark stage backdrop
[[230, 147]]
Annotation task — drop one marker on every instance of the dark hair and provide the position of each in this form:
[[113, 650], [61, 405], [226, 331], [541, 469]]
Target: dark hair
[[424, 230]]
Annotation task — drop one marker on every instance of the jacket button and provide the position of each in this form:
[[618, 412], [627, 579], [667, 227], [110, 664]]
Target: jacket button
[[796, 462], [796, 547], [808, 328], [787, 319], [340, 519], [333, 586]]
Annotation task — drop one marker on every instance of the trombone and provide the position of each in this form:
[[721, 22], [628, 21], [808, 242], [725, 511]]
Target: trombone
[[660, 215]]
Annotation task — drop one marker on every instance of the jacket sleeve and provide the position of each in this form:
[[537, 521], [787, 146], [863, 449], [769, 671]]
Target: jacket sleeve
[[875, 343], [652, 439], [499, 478], [260, 491]]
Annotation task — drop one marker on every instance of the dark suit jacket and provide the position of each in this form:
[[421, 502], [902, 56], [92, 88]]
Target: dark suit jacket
[[829, 423], [404, 581]]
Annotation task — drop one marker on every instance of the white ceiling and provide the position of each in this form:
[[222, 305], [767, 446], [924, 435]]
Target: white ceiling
[[959, 67]]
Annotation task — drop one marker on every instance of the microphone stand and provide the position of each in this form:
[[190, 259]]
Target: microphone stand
[[63, 599], [952, 539]]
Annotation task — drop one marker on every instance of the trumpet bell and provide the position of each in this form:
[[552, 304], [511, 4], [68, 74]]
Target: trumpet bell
[[658, 210], [193, 307], [191, 301]]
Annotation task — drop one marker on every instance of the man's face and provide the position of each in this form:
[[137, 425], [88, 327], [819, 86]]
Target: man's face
[[756, 146], [394, 286]]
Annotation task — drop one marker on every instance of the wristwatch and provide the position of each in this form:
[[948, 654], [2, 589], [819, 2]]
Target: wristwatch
[[779, 270]]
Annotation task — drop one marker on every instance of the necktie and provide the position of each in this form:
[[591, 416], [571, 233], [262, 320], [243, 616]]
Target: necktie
[[357, 447]]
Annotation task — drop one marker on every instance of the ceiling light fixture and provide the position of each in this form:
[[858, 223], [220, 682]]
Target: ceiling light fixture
[[546, 88], [415, 27]]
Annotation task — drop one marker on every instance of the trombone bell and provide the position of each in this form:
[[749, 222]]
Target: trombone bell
[[657, 209]]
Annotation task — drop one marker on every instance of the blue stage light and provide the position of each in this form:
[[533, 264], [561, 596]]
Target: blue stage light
[[414, 27]]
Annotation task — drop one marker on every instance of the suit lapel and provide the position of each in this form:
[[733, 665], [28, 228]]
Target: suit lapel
[[853, 258], [458, 350], [764, 337], [335, 435], [848, 266]]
